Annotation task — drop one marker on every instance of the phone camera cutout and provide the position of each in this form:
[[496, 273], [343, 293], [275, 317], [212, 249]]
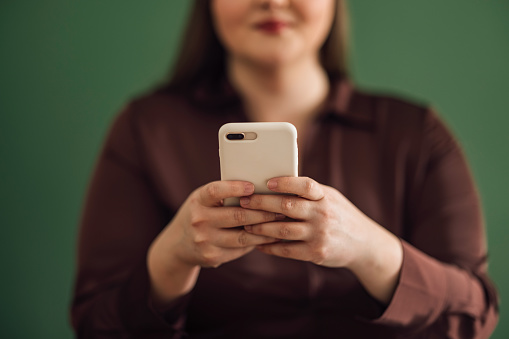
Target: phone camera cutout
[[235, 136], [241, 136]]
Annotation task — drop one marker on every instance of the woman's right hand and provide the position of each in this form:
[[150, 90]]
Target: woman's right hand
[[203, 233]]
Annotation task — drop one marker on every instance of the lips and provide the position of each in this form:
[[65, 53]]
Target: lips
[[271, 26]]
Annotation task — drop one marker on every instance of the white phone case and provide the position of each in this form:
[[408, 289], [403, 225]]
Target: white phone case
[[267, 150]]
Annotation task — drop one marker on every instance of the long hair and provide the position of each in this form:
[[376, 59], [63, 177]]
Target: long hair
[[202, 57]]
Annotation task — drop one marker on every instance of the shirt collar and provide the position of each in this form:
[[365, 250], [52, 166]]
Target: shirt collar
[[344, 104]]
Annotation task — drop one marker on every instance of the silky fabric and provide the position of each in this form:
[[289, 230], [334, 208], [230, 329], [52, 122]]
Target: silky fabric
[[395, 160]]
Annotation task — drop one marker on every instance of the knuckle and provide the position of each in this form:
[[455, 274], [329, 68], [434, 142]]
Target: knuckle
[[197, 220], [242, 239], [199, 239], [320, 234], [286, 251], [319, 254], [194, 199], [211, 258], [287, 204], [309, 185], [324, 214], [239, 216], [284, 231]]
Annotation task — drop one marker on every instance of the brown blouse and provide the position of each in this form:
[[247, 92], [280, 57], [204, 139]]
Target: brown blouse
[[396, 161]]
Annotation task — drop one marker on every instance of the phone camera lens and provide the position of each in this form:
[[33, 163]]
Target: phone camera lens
[[235, 136]]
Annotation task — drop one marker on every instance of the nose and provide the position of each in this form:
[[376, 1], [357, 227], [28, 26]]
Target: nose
[[273, 4]]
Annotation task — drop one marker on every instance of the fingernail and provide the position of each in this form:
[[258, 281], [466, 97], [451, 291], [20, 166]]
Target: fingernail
[[244, 201], [248, 228], [280, 216], [271, 184], [248, 188]]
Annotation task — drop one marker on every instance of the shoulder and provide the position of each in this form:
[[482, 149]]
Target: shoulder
[[403, 123], [165, 111], [374, 108], [145, 118], [412, 124], [160, 106], [391, 110], [400, 115]]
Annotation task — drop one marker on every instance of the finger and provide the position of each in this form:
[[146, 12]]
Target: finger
[[235, 253], [213, 193], [228, 217], [240, 239], [282, 230], [298, 250], [223, 255], [302, 186], [291, 206]]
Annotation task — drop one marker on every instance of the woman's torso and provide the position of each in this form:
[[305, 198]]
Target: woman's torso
[[364, 146]]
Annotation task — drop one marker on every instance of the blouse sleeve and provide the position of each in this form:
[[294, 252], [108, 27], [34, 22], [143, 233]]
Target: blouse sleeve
[[122, 216], [443, 289]]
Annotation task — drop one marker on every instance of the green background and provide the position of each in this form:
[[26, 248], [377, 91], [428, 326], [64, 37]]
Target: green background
[[66, 67]]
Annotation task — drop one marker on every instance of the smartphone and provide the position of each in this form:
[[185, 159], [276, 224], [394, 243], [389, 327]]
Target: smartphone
[[257, 152]]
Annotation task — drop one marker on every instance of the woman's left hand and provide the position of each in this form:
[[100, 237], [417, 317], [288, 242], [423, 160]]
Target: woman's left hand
[[327, 229]]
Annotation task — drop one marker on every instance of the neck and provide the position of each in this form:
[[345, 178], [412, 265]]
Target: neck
[[290, 92]]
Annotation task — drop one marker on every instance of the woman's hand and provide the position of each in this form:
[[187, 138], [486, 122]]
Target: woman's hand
[[327, 229], [203, 233]]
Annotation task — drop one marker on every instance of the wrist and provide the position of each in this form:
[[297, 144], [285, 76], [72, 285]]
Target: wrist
[[170, 277], [379, 263]]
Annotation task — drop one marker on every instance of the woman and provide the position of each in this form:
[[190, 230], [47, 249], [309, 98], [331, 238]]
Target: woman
[[385, 228]]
